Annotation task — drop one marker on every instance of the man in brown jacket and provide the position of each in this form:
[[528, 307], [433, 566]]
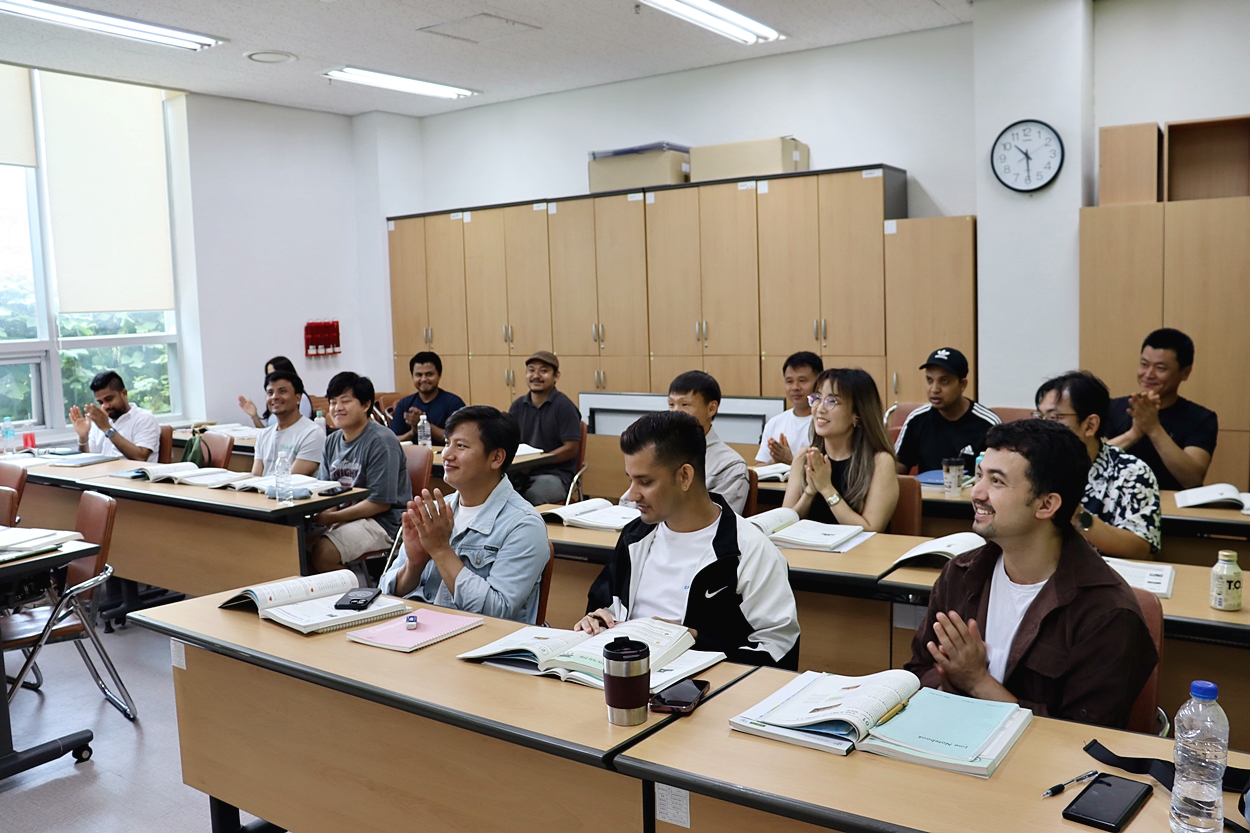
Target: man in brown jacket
[[1035, 616]]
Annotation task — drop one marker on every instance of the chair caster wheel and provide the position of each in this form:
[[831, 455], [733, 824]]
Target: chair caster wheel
[[81, 754]]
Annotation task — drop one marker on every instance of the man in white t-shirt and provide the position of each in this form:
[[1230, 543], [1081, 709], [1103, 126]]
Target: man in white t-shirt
[[1035, 616], [790, 431], [690, 558], [301, 438], [113, 427]]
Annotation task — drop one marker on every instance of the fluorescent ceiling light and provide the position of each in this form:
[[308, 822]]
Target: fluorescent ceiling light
[[718, 19], [79, 19], [396, 82]]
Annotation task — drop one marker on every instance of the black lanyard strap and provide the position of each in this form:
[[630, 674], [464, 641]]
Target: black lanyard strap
[[1235, 780]]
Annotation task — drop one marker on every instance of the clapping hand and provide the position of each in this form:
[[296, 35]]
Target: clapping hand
[[431, 519], [249, 407], [79, 422], [413, 416], [1144, 408], [961, 654], [780, 450], [818, 471]]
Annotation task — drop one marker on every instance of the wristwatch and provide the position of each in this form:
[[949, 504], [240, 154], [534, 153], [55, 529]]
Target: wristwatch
[[1084, 520], [835, 500], [109, 434]]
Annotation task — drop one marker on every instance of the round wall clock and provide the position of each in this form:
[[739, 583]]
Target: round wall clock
[[1027, 155]]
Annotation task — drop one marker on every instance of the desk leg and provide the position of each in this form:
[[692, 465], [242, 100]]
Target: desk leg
[[13, 761], [225, 819], [301, 532]]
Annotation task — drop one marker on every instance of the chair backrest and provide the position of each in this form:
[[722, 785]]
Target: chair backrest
[[1013, 414], [165, 449], [220, 447], [320, 403], [581, 451], [894, 431], [906, 519], [8, 506], [13, 476], [1142, 718], [544, 586], [386, 401], [753, 494], [420, 462], [901, 411], [95, 523]]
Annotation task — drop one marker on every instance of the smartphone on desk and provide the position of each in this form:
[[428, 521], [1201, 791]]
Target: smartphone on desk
[[334, 490], [680, 698], [1108, 803], [358, 599]]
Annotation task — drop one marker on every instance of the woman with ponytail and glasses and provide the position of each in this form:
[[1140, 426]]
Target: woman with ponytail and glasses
[[847, 474]]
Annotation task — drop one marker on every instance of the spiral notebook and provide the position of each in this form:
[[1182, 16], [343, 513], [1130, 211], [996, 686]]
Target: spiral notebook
[[432, 626]]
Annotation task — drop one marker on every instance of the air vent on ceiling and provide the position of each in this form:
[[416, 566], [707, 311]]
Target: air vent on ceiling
[[480, 28]]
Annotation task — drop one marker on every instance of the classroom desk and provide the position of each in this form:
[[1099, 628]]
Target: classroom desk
[[13, 761], [189, 539], [742, 782], [315, 733]]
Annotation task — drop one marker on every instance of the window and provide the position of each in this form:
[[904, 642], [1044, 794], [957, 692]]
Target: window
[[86, 272]]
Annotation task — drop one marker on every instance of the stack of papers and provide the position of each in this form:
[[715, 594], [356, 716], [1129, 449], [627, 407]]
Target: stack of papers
[[1154, 578]]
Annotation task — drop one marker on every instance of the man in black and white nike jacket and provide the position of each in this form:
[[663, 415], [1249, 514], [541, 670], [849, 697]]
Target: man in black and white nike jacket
[[690, 558]]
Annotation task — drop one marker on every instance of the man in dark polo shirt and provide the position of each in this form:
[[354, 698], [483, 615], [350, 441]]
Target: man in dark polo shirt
[[951, 424], [548, 420], [1172, 435]]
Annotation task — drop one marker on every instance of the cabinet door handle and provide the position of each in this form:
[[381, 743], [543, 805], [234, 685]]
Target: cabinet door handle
[[594, 332], [431, 334], [601, 336], [816, 329], [698, 331], [824, 330], [603, 379], [504, 330], [510, 339], [895, 383], [705, 331]]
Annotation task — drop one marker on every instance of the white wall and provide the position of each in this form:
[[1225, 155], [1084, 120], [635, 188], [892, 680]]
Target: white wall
[[273, 196], [903, 100]]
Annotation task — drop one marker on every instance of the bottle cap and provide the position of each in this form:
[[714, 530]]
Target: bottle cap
[[1203, 690], [624, 649], [1228, 555]]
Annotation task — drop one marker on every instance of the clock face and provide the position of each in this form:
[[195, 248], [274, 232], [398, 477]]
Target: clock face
[[1027, 155]]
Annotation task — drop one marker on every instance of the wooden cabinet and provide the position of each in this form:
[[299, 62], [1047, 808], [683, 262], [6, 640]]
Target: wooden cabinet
[[486, 282], [674, 283], [852, 263], [729, 266], [666, 368], [1206, 293], [577, 374], [1129, 163], [737, 375], [528, 279], [494, 380], [1121, 289], [409, 318], [789, 269], [930, 284], [444, 267], [624, 374], [621, 263], [574, 298]]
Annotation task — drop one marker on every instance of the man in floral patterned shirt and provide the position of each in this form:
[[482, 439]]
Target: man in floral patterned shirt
[[1120, 513]]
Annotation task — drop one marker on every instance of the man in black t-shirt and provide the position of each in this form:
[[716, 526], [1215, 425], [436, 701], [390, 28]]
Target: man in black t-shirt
[[951, 424], [430, 399], [1174, 436]]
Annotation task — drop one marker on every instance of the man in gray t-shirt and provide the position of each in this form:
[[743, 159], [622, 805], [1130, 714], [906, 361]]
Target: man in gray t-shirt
[[368, 455]]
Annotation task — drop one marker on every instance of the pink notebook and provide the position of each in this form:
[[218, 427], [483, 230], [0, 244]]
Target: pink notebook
[[432, 626]]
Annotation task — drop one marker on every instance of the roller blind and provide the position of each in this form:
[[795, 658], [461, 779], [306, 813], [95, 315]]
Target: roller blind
[[17, 123], [104, 151]]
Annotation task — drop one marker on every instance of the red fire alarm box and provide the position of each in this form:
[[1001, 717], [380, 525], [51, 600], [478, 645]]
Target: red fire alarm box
[[321, 338]]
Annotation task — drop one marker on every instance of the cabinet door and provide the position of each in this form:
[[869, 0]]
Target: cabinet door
[[486, 282], [666, 368], [789, 243], [624, 374], [409, 321], [529, 279], [736, 375], [577, 374], [444, 268], [730, 270], [875, 365], [930, 277], [852, 264], [621, 256], [491, 380], [1121, 270], [574, 302], [455, 377], [1206, 292], [674, 305]]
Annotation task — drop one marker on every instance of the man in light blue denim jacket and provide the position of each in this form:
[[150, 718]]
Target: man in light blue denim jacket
[[483, 549]]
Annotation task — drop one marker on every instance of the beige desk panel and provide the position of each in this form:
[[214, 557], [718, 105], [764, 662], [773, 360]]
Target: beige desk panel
[[283, 749], [49, 507], [868, 785], [542, 705]]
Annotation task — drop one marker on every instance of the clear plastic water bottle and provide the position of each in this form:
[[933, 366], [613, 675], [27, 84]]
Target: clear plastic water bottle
[[282, 479], [423, 432], [1201, 755], [10, 436], [321, 420]]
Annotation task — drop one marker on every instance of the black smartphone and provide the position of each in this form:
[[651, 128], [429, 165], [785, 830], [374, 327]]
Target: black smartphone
[[358, 599], [1109, 802], [680, 698], [334, 490]]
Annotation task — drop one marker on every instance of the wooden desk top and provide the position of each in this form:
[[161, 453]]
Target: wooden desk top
[[225, 501], [73, 475], [540, 712], [1227, 516], [62, 555], [862, 792]]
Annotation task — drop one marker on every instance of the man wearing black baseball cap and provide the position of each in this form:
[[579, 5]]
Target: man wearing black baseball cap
[[951, 424]]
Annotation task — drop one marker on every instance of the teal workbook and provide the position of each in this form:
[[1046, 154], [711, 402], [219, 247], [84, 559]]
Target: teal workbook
[[937, 723]]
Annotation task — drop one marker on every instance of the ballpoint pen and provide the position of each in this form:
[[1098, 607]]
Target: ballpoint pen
[[1058, 788]]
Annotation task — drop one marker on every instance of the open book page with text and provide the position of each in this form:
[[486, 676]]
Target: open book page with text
[[582, 507], [774, 520], [1214, 496], [289, 591], [844, 706], [539, 645], [665, 640]]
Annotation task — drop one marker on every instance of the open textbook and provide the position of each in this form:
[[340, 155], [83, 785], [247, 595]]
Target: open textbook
[[785, 529], [578, 657], [1216, 496], [306, 604], [937, 552], [188, 474], [595, 513], [889, 714], [778, 472], [17, 543], [261, 484]]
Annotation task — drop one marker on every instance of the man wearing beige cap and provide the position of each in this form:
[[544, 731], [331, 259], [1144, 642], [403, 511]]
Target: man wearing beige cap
[[548, 420]]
